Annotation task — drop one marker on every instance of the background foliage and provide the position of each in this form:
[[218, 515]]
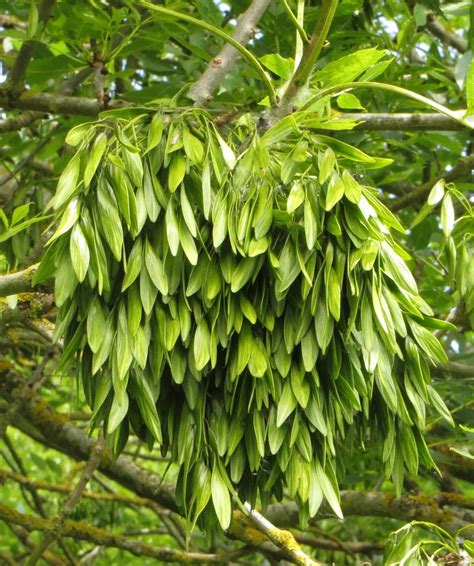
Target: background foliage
[[93, 56]]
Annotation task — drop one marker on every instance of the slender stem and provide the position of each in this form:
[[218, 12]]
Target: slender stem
[[58, 524], [295, 22], [453, 114], [311, 52], [216, 31]]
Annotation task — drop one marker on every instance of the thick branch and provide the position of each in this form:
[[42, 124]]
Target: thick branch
[[377, 504], [452, 39], [17, 282], [55, 103], [403, 122], [203, 89], [61, 104], [82, 531]]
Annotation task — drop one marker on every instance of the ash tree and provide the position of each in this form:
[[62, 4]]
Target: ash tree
[[237, 282]]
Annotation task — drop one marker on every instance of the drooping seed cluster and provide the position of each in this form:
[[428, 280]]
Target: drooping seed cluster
[[250, 313]]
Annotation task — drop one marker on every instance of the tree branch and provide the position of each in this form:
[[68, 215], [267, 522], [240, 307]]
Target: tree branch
[[59, 522], [456, 369], [82, 531], [377, 504], [56, 103], [65, 489], [202, 90], [18, 281], [59, 433], [403, 122], [452, 39], [16, 77], [462, 168], [282, 539], [77, 105]]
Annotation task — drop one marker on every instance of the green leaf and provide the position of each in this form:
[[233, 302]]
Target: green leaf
[[134, 166], [80, 254], [94, 158], [155, 132], [447, 215], [68, 219], [329, 490], [193, 147], [349, 101], [176, 171], [146, 403], [32, 19], [286, 404], [118, 412], [335, 191], [188, 213], [327, 161], [278, 65], [221, 498], [134, 265], [295, 198], [68, 183], [172, 229], [436, 193], [202, 345], [96, 325], [470, 88], [155, 269], [188, 244]]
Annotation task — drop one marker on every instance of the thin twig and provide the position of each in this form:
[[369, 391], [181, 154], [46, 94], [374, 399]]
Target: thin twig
[[58, 524], [448, 37], [17, 74]]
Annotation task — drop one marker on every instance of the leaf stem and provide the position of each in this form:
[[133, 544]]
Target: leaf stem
[[296, 23], [311, 51]]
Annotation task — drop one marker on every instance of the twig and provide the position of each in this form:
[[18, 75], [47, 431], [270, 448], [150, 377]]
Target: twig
[[101, 537], [22, 535], [347, 547], [37, 501], [448, 37], [283, 539], [463, 167], [29, 157], [17, 74], [58, 523]]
